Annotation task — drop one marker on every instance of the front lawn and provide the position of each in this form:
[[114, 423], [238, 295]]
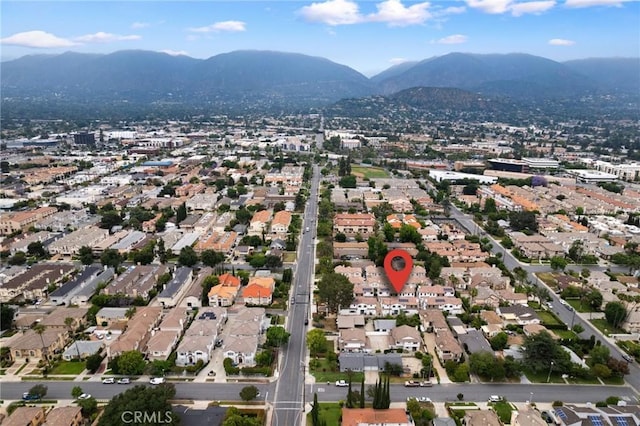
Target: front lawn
[[549, 318], [67, 367], [503, 410], [325, 372], [330, 413], [541, 377], [289, 256], [606, 328], [565, 334], [580, 307], [547, 278]]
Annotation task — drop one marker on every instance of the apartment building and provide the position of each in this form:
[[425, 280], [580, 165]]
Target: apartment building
[[21, 221], [362, 224], [136, 281]]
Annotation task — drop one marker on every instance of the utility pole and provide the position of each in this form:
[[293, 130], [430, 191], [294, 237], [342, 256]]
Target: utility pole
[[303, 385]]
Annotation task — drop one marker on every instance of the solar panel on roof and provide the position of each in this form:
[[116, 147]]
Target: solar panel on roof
[[621, 421], [595, 420], [561, 413]]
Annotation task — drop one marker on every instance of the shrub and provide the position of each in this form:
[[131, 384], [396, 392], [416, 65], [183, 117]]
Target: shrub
[[557, 404], [229, 367]]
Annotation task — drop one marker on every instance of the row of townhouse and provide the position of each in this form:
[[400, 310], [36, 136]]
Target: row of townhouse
[[33, 283], [23, 220], [200, 338], [38, 416], [31, 345], [136, 281], [404, 337], [258, 291]]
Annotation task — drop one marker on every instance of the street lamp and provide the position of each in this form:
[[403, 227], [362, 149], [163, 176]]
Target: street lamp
[[550, 367], [531, 399]]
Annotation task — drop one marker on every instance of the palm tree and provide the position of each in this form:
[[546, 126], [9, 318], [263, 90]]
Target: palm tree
[[40, 329], [130, 312], [68, 321]]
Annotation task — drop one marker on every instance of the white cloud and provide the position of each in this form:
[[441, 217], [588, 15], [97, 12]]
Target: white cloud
[[39, 39], [561, 42], [222, 26], [514, 7], [102, 37], [490, 6], [452, 39], [175, 52], [332, 12], [394, 13], [140, 25], [453, 10], [534, 7], [590, 3]]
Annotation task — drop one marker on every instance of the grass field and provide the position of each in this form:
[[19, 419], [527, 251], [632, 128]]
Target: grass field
[[329, 413], [565, 334], [66, 367], [547, 278], [503, 410], [542, 376], [327, 373], [602, 325], [548, 318], [289, 256], [579, 307], [369, 172]]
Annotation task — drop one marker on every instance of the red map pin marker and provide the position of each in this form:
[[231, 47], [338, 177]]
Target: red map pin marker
[[398, 278]]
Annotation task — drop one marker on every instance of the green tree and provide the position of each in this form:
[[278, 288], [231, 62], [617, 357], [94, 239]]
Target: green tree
[[88, 406], [615, 313], [409, 234], [110, 219], [211, 258], [499, 341], [93, 362], [594, 299], [40, 391], [188, 256], [599, 354], [248, 393], [36, 249], [486, 365], [523, 221], [131, 363], [277, 336], [243, 216], [558, 263], [146, 399], [335, 290], [76, 391], [6, 317], [112, 258], [541, 352], [181, 213], [85, 255], [315, 411], [316, 341]]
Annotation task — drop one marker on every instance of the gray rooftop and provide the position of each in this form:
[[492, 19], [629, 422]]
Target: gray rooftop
[[180, 277]]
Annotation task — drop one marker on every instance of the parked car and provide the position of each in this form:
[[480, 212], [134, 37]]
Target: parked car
[[157, 380], [29, 397], [342, 383], [426, 384], [627, 357], [108, 381], [411, 384], [495, 398], [424, 399], [84, 396], [124, 381]]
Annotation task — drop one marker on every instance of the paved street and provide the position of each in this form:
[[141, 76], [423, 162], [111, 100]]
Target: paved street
[[288, 407], [567, 316], [289, 412]]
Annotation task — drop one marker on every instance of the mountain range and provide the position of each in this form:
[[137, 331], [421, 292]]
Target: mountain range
[[266, 79]]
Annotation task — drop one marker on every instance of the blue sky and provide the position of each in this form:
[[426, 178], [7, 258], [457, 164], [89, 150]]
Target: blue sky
[[368, 36]]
